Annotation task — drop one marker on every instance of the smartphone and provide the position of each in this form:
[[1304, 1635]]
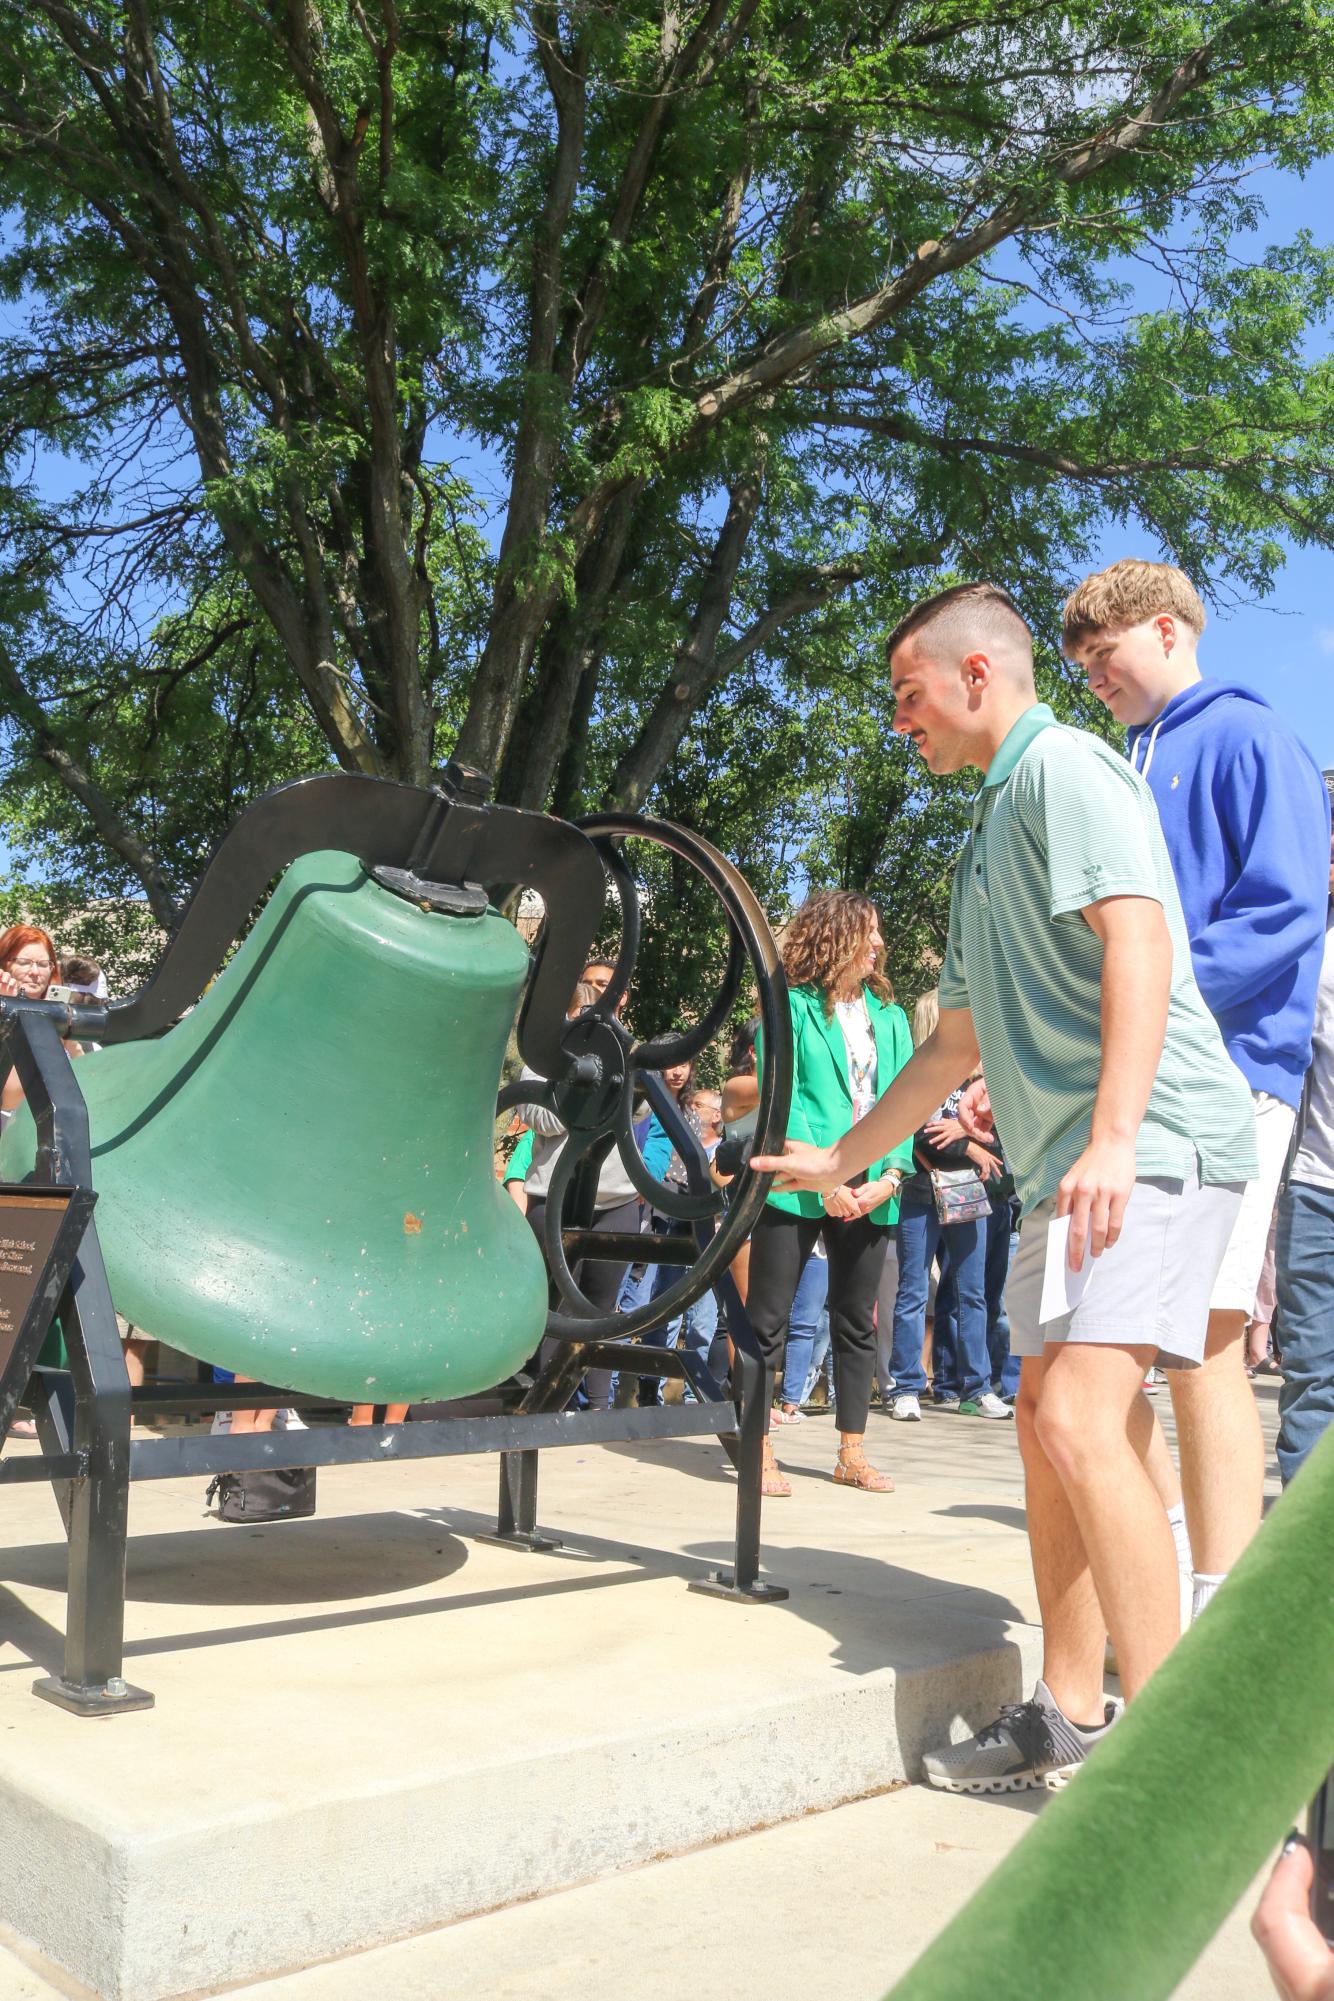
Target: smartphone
[[58, 993], [1320, 1836]]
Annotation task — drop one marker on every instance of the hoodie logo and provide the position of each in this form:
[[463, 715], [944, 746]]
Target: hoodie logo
[[1176, 781]]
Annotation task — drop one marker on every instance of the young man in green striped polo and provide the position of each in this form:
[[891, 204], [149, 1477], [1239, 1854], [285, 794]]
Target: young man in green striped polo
[[1069, 971]]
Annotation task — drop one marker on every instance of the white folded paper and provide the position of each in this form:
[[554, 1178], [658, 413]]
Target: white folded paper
[[1062, 1289]]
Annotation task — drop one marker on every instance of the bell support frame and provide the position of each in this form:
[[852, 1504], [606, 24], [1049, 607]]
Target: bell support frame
[[415, 842]]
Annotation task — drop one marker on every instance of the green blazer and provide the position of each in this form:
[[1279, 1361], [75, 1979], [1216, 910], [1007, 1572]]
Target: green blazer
[[822, 1091]]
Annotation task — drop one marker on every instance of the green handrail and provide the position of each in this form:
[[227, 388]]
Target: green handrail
[[1126, 1877]]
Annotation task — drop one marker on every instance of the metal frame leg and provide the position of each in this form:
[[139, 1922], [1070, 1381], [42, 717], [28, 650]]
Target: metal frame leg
[[755, 1383], [92, 1683], [516, 1515], [52, 1400]]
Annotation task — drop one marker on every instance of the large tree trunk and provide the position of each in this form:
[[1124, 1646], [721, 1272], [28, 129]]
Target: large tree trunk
[[542, 732], [692, 673]]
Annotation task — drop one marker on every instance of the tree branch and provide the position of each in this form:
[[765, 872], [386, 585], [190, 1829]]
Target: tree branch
[[519, 608], [75, 776], [697, 58], [665, 726], [1189, 458], [794, 351]]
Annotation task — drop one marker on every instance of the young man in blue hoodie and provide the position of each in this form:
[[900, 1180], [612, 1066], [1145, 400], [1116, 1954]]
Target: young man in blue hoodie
[[1246, 819]]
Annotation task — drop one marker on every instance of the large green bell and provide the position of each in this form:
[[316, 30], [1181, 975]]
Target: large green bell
[[296, 1181]]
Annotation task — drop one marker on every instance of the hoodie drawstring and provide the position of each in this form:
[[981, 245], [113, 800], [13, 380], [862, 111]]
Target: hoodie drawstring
[[1134, 749]]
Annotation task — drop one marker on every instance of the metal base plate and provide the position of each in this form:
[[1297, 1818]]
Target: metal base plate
[[534, 1541], [723, 1584], [114, 1698]]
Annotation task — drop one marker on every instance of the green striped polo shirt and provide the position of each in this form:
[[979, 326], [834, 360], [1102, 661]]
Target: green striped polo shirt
[[1059, 823]]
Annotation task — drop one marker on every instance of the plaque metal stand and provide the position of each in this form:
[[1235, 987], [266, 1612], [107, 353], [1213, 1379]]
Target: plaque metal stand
[[51, 1270]]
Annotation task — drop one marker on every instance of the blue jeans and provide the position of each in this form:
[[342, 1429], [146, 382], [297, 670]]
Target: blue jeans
[[635, 1291], [698, 1324], [1304, 1322], [1002, 1236], [699, 1329], [822, 1361], [946, 1373], [802, 1325], [963, 1250]]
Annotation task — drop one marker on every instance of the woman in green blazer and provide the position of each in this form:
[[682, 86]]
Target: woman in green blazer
[[849, 1042]]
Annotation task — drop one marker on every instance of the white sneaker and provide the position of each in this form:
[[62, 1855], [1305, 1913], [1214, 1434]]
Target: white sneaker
[[907, 1409], [987, 1405]]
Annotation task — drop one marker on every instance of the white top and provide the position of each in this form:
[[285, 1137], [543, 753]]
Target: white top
[[1315, 1155], [855, 1023]]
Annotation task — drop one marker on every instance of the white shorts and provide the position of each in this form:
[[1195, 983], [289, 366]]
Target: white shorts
[[1150, 1290], [1238, 1278]]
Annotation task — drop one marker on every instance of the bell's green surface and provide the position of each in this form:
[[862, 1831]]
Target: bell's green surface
[[296, 1182], [1116, 1891]]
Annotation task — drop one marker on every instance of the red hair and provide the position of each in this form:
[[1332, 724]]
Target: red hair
[[13, 941]]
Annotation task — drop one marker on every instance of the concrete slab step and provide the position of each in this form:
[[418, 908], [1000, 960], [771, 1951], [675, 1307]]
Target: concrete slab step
[[830, 1907], [369, 1724]]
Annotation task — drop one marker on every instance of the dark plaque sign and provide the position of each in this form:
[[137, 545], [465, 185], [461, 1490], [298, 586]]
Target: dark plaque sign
[[35, 1252]]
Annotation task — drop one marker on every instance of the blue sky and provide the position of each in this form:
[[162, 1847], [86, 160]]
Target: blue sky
[[1283, 647]]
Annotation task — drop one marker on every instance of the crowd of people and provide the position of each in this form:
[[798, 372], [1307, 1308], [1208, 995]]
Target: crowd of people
[[1130, 1045], [1130, 1048], [1149, 954]]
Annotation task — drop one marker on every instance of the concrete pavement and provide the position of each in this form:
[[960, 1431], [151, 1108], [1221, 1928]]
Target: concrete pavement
[[370, 1726]]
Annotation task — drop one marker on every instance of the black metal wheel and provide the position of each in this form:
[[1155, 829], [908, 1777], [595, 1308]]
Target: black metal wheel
[[606, 1073]]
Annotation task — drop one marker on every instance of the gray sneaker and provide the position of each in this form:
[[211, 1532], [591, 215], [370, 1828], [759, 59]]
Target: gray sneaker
[[1030, 1744], [907, 1409], [987, 1405]]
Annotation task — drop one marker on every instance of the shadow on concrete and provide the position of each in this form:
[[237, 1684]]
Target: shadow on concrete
[[1009, 1518], [1030, 1804], [878, 1614], [277, 1563], [683, 1455], [42, 1644]]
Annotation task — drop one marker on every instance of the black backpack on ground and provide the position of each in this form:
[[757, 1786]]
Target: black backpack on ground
[[265, 1494]]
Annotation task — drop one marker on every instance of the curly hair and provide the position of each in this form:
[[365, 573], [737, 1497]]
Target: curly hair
[[823, 938]]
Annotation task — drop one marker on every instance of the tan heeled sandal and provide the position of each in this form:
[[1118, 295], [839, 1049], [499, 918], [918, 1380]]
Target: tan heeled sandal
[[773, 1480], [854, 1469]]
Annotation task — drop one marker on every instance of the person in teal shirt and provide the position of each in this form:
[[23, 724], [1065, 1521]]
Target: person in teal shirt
[[849, 1042], [1129, 1131]]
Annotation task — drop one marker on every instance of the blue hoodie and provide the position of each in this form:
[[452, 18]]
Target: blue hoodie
[[1246, 817]]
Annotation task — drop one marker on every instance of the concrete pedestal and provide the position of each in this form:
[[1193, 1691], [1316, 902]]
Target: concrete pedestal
[[368, 1724]]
